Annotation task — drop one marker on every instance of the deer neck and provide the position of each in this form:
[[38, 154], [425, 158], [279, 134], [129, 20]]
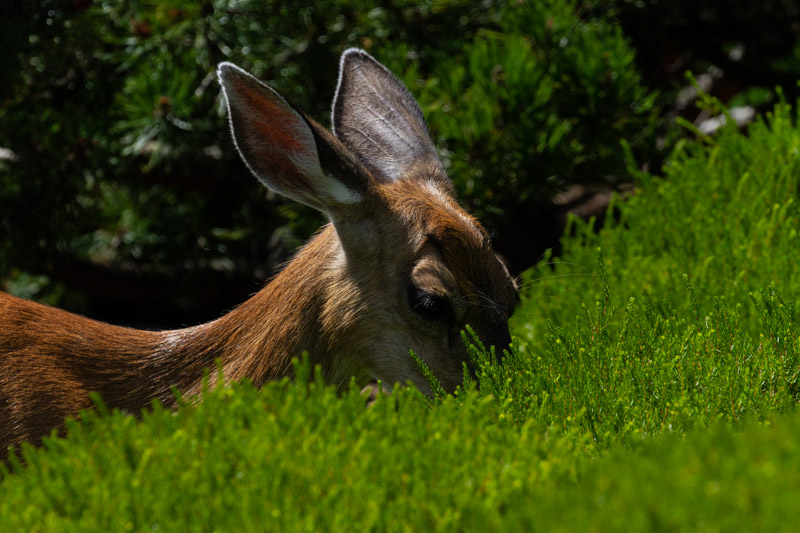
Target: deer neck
[[258, 339]]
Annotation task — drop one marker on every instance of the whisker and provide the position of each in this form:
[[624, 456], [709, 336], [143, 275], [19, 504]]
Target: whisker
[[541, 256], [551, 263], [491, 304], [530, 282]]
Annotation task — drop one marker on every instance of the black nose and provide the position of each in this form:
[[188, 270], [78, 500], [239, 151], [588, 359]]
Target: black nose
[[498, 339], [501, 341]]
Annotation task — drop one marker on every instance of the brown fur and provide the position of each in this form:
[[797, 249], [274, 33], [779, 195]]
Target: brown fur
[[344, 298]]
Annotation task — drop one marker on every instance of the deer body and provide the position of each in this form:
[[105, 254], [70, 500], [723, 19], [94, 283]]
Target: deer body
[[401, 266]]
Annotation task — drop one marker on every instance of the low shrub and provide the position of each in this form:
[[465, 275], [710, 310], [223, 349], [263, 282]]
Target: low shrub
[[653, 386]]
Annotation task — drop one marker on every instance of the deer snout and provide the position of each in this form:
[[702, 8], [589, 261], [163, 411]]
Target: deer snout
[[502, 342], [495, 338]]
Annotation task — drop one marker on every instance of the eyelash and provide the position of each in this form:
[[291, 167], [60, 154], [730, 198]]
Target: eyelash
[[430, 306]]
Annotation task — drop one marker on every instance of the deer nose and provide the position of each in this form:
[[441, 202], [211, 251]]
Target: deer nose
[[501, 342]]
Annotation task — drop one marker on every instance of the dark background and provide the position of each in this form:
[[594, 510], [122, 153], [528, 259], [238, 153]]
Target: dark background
[[122, 197]]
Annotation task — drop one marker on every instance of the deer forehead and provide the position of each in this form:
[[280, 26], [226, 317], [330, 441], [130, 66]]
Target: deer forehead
[[462, 251], [427, 207]]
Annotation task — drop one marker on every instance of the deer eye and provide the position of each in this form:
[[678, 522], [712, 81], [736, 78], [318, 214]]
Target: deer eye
[[429, 306]]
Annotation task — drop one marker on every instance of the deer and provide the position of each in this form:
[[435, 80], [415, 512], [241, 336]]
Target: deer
[[400, 266]]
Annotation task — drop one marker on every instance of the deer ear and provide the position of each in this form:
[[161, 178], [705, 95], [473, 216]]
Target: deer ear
[[376, 117], [282, 147]]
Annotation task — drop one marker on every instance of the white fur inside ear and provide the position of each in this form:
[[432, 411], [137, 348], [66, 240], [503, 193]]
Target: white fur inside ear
[[339, 192], [326, 188]]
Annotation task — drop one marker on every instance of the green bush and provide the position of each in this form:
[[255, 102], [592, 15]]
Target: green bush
[[540, 103], [692, 315], [283, 459], [294, 459], [653, 386]]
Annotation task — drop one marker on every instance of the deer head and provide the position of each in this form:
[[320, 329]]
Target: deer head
[[404, 266]]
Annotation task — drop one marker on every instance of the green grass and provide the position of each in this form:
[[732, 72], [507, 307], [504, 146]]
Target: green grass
[[688, 316], [287, 458], [654, 386]]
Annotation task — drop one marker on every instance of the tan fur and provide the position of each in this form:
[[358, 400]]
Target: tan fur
[[344, 298]]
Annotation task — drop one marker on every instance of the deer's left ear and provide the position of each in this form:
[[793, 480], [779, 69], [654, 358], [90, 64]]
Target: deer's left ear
[[287, 151], [376, 117]]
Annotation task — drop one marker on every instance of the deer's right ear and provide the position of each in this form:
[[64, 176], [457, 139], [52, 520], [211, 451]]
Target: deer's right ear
[[279, 145]]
